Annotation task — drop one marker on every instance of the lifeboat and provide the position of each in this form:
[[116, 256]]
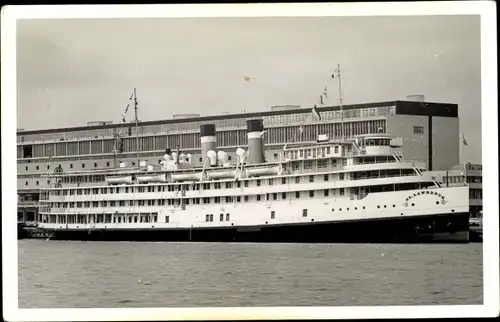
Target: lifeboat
[[221, 175], [158, 178], [267, 171], [119, 180], [194, 176]]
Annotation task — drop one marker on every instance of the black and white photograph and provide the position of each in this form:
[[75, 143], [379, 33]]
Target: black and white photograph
[[250, 161]]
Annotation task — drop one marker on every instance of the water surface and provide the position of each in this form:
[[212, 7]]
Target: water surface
[[59, 274]]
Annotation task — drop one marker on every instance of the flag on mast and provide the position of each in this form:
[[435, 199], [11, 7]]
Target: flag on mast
[[325, 92], [316, 112], [464, 141]]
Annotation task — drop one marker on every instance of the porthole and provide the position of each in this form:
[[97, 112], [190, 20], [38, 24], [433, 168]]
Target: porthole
[[364, 207], [340, 209], [437, 202], [355, 208], [453, 210], [347, 209], [333, 209], [378, 207], [393, 206], [413, 205], [385, 206], [312, 219]]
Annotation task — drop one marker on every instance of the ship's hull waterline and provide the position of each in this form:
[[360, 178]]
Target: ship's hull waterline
[[445, 228]]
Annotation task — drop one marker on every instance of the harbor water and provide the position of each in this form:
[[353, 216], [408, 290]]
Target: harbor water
[[60, 274]]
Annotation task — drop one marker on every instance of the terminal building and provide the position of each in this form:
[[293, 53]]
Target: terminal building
[[429, 133]]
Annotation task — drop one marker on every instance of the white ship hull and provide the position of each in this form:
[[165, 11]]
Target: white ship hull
[[432, 215]]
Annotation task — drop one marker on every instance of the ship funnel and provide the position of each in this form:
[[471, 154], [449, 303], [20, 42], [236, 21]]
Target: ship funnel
[[208, 139], [255, 131]]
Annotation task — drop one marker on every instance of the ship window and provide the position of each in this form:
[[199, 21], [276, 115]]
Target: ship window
[[258, 183], [258, 197], [26, 168], [107, 164], [37, 183], [418, 130], [328, 150], [297, 179], [246, 198], [275, 196], [228, 199], [26, 183], [155, 218], [341, 191], [83, 165], [211, 217], [311, 193], [275, 156], [228, 185], [283, 180], [167, 219], [297, 194], [272, 214], [283, 195], [227, 217], [48, 167], [37, 167], [200, 159], [238, 184], [341, 176], [304, 212], [238, 199], [326, 177], [130, 219], [311, 178], [326, 192], [246, 183], [221, 217], [95, 164], [270, 182], [336, 149], [229, 158], [217, 199]]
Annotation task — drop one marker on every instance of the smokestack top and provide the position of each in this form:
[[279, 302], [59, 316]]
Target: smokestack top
[[255, 125], [207, 130]]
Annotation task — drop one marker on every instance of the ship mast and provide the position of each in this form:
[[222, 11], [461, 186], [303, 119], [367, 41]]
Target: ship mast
[[341, 99], [136, 105]]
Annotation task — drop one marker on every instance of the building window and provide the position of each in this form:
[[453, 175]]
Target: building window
[[418, 130], [272, 214], [304, 212]]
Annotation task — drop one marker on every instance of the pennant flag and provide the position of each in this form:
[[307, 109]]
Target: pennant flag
[[333, 75], [316, 112], [464, 141], [325, 92]]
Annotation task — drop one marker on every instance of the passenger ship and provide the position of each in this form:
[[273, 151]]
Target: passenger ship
[[354, 190]]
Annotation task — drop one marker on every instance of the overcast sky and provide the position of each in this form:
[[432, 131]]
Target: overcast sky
[[79, 70]]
